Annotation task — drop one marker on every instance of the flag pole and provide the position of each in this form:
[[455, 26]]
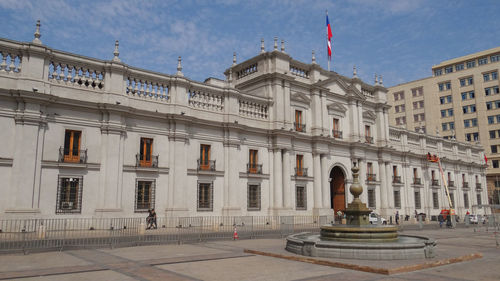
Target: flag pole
[[328, 39]]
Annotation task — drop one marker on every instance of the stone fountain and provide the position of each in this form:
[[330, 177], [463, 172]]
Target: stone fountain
[[358, 239]]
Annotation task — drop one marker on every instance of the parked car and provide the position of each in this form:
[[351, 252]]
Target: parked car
[[374, 219], [473, 219]]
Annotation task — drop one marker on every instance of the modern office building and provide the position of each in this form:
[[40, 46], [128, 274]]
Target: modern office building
[[90, 138], [460, 101]]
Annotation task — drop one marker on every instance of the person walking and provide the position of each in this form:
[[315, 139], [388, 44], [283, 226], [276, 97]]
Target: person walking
[[440, 219], [153, 219], [397, 217]]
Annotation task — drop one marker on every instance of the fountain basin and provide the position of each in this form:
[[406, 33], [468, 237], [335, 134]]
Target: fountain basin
[[402, 248]]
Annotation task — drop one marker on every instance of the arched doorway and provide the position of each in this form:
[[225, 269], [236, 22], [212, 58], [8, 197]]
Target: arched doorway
[[337, 190]]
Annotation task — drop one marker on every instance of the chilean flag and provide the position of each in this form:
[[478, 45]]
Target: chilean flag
[[329, 37]]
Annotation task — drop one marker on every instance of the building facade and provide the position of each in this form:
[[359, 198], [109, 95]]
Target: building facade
[[84, 137], [460, 101]]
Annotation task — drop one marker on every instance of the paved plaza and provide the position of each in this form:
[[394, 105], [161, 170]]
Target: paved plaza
[[462, 254]]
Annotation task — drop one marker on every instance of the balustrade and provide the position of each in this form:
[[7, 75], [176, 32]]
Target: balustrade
[[435, 182], [11, 62], [246, 71], [371, 177], [299, 71], [466, 184], [253, 168], [206, 165], [368, 139], [69, 155], [451, 183], [299, 127], [337, 134], [301, 172], [147, 89], [252, 109], [75, 75], [396, 179], [207, 101], [417, 181]]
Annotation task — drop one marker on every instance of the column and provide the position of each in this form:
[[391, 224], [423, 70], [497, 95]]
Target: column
[[317, 181], [287, 192], [324, 181], [233, 177], [278, 179], [388, 192], [383, 188]]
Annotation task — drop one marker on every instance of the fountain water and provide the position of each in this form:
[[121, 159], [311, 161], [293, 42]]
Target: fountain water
[[358, 238]]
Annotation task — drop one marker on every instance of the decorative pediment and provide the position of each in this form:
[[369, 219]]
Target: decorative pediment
[[370, 115], [348, 89], [300, 97], [336, 108]]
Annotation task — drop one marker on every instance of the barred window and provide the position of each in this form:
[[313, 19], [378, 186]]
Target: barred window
[[69, 195], [479, 202], [418, 205], [205, 196], [301, 198], [452, 198], [144, 195], [466, 200], [397, 199], [435, 200], [253, 198], [371, 198]]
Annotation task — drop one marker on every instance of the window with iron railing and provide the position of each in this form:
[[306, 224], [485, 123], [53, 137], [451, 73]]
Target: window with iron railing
[[253, 201], [435, 200], [144, 195], [337, 134], [205, 196], [145, 152], [435, 182], [204, 163], [466, 200], [417, 181], [396, 179], [298, 124], [418, 204], [69, 195], [300, 198], [465, 184], [371, 177], [252, 166], [371, 198], [300, 171], [478, 185], [397, 199], [451, 183], [71, 149]]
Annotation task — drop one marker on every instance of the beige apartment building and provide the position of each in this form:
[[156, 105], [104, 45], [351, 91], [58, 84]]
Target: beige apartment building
[[460, 101]]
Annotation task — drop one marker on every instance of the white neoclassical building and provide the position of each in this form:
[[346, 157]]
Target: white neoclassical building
[[83, 137]]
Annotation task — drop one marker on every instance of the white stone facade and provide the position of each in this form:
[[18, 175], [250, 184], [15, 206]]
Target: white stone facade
[[46, 94]]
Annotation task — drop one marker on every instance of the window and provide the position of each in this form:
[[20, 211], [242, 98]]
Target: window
[[145, 151], [441, 87], [416, 92], [438, 72], [448, 69], [466, 200], [464, 96], [441, 100], [492, 134], [252, 161], [475, 136], [459, 67], [299, 165], [300, 198], [471, 64], [465, 109], [489, 105], [69, 195], [445, 126], [495, 163], [479, 201], [495, 58], [462, 82], [417, 199], [467, 123], [399, 95], [204, 157], [470, 81], [443, 113], [433, 175], [397, 199], [144, 195], [471, 94], [491, 119], [486, 77], [497, 104], [494, 149], [415, 105], [72, 146], [450, 112], [253, 197], [448, 85], [494, 75], [299, 127], [371, 198], [435, 200], [473, 122], [205, 196], [448, 99], [452, 125], [487, 91], [482, 61]]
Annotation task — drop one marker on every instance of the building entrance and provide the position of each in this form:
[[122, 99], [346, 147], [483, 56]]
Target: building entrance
[[337, 190]]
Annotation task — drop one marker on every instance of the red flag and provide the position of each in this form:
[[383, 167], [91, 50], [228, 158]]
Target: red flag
[[329, 37], [485, 159]]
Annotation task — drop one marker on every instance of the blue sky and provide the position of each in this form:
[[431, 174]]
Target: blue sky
[[400, 39]]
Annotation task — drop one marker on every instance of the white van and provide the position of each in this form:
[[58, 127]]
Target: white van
[[374, 219]]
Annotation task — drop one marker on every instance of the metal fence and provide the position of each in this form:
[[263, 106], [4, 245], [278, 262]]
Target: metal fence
[[35, 234]]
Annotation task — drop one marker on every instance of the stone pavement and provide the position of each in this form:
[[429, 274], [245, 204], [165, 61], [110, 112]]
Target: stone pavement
[[230, 260]]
